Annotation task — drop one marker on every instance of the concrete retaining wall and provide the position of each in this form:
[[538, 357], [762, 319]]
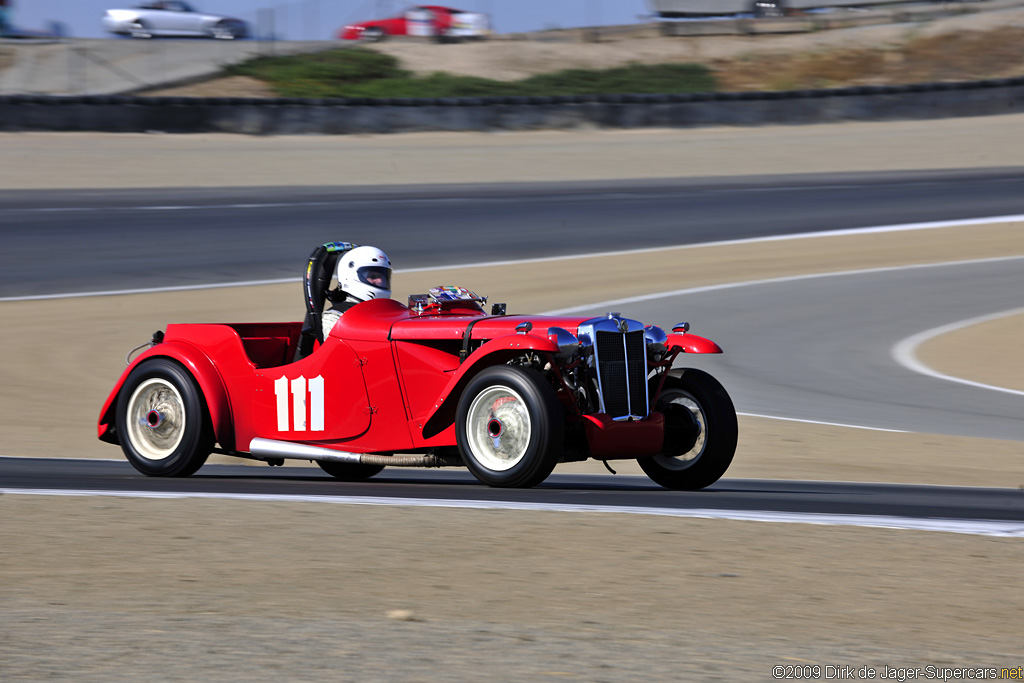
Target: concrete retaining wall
[[345, 116]]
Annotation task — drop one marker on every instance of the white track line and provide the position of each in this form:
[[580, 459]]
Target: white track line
[[150, 290], [905, 352], [933, 225], [959, 526], [777, 280], [823, 423]]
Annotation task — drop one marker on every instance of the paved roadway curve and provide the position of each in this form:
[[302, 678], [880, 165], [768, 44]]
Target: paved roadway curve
[[63, 241], [821, 348]]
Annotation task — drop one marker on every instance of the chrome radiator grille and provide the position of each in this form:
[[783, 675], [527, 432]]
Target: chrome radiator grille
[[620, 359]]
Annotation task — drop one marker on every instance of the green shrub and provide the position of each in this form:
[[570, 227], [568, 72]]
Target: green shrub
[[635, 78], [358, 72], [321, 71]]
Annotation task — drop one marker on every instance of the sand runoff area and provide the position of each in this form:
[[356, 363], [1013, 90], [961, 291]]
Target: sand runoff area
[[117, 589]]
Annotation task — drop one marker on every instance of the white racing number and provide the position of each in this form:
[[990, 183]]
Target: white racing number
[[303, 391]]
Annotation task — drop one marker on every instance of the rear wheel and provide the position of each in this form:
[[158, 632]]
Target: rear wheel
[[509, 427], [162, 420], [226, 30], [346, 471], [700, 433]]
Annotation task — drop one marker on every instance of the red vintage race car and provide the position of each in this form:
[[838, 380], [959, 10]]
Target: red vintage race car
[[438, 382]]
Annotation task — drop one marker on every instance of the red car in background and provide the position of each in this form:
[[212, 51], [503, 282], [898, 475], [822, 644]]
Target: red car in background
[[428, 21]]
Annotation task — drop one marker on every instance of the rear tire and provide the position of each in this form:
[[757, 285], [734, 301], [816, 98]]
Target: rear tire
[[162, 420], [700, 433], [345, 471], [226, 30], [509, 427]]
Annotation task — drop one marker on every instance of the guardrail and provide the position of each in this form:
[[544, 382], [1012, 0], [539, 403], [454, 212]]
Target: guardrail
[[286, 116]]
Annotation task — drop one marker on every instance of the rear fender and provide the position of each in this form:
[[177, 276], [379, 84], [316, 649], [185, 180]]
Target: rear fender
[[205, 373], [495, 352], [691, 343]]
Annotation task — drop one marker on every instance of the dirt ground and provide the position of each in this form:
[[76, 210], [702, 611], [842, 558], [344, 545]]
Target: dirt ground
[[957, 48], [111, 589], [122, 590]]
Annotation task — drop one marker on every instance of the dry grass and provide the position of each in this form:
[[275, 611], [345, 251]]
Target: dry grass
[[970, 55]]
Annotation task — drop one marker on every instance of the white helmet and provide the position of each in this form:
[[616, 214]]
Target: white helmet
[[365, 273]]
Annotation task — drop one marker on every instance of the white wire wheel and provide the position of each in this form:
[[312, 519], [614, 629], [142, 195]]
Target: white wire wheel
[[156, 419], [498, 428], [509, 427], [163, 424]]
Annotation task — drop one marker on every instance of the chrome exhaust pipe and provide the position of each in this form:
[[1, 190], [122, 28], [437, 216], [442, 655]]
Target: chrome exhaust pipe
[[271, 449]]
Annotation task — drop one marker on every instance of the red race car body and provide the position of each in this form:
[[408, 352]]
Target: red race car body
[[439, 382]]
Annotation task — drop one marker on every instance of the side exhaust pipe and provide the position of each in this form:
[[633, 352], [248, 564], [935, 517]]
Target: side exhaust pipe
[[266, 449]]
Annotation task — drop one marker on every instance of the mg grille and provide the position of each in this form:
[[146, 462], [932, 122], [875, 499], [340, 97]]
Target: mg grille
[[622, 372]]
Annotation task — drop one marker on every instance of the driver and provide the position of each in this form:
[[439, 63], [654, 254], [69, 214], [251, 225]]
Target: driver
[[363, 274]]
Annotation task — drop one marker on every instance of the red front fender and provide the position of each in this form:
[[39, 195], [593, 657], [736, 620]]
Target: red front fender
[[205, 373], [691, 343], [494, 352]]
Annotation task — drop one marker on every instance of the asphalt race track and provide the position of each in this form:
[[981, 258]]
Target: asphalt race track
[[849, 375], [73, 241], [456, 487], [98, 241]]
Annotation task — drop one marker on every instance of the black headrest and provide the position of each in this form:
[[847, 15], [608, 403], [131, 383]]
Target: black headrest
[[319, 270]]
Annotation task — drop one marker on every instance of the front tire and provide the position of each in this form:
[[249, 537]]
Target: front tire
[[346, 471], [373, 35], [700, 433], [139, 29], [509, 427], [162, 420]]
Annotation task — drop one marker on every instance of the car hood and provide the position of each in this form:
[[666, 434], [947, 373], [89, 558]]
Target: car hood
[[449, 326], [385, 319]]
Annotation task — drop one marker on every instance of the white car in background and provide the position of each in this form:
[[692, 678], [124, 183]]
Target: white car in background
[[172, 18]]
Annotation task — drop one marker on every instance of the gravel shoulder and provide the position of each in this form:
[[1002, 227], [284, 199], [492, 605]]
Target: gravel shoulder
[[128, 160], [103, 589], [121, 590]]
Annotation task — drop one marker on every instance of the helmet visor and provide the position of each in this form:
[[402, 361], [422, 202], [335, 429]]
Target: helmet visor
[[375, 276]]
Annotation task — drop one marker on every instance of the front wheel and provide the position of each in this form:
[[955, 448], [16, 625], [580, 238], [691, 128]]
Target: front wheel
[[509, 427], [373, 35], [162, 420], [139, 29], [347, 471], [700, 432]]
